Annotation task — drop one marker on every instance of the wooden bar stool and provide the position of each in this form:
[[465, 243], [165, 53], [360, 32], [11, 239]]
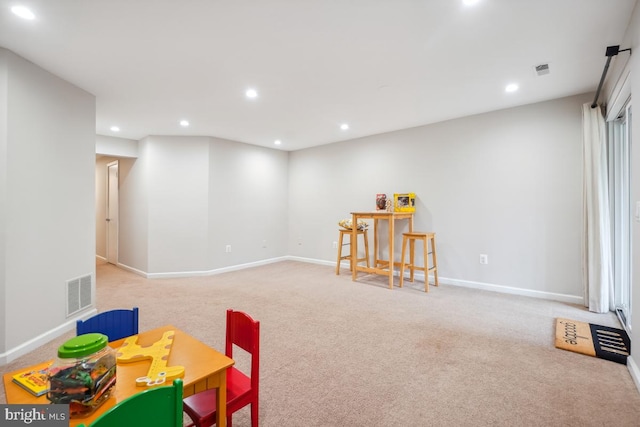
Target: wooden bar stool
[[346, 232], [411, 238]]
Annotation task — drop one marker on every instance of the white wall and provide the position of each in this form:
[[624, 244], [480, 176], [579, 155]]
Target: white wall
[[47, 217], [3, 198], [133, 216], [178, 178], [101, 193], [186, 198], [248, 198], [108, 149], [507, 184], [116, 147], [101, 205]]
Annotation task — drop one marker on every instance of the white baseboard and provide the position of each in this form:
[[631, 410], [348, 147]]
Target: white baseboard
[[42, 339], [572, 299], [36, 342], [179, 274], [313, 261], [634, 371], [132, 270]]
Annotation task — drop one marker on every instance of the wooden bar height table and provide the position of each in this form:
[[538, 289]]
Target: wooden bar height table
[[379, 266]]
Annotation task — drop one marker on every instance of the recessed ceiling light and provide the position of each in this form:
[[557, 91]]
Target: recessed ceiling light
[[344, 126], [277, 142], [470, 2], [115, 129], [184, 123], [512, 87], [23, 12], [251, 93]]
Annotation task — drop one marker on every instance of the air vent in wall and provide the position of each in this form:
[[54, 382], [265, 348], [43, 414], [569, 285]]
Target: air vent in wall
[[78, 294], [542, 69]]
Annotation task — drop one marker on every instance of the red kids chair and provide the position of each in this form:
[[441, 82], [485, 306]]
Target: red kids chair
[[242, 390]]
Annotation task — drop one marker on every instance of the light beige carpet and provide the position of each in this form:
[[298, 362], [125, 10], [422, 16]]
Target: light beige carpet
[[342, 353]]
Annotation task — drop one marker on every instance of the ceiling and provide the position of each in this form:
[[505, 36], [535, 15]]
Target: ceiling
[[378, 65]]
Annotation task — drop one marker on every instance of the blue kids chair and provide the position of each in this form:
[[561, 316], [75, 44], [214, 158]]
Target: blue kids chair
[[115, 324]]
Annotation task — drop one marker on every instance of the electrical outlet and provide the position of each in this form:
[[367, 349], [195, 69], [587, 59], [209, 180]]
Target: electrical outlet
[[228, 249], [335, 245], [484, 259]]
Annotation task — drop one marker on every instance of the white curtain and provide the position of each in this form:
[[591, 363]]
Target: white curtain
[[596, 243]]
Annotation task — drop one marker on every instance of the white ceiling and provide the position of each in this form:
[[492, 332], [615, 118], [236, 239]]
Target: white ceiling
[[379, 65]]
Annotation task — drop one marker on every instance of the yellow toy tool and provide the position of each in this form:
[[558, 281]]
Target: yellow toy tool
[[158, 352]]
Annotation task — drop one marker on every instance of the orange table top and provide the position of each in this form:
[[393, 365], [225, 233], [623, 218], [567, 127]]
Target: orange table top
[[204, 367]]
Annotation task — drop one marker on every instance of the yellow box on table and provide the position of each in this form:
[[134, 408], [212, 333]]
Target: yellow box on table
[[404, 202]]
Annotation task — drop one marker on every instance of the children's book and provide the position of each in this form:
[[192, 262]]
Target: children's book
[[33, 380]]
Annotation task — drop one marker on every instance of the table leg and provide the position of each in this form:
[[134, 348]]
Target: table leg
[[391, 257], [412, 256], [375, 242], [353, 246], [221, 400]]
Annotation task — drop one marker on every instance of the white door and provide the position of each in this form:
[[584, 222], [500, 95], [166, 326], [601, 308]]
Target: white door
[[112, 213]]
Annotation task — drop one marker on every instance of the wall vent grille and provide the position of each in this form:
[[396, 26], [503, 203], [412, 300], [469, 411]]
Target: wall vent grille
[[542, 69], [79, 294]]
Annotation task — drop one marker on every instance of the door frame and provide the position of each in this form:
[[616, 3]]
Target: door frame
[[112, 213], [619, 152]]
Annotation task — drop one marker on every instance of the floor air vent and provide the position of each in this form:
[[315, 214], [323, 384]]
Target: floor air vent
[[78, 294]]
